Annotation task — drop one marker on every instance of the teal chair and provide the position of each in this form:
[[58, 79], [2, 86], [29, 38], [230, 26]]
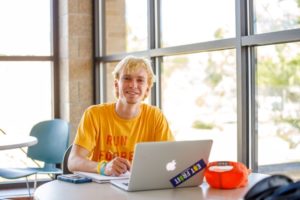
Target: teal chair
[[15, 173], [53, 138]]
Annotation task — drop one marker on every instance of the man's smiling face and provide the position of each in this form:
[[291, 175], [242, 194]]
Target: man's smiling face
[[132, 86]]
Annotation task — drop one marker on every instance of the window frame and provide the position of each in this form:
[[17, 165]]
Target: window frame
[[54, 58], [244, 43]]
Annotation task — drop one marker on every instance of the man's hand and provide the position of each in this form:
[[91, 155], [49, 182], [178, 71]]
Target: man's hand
[[117, 166]]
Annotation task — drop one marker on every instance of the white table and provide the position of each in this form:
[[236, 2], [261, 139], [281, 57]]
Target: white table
[[16, 141], [59, 190]]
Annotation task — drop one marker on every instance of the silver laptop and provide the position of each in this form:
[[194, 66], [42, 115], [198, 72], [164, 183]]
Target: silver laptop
[[162, 165]]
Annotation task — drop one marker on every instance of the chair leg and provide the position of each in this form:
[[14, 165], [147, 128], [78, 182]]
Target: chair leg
[[35, 181], [28, 187]]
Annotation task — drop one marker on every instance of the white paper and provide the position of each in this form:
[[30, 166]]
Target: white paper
[[101, 178]]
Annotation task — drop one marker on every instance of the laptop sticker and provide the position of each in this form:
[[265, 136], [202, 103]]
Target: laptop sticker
[[188, 173]]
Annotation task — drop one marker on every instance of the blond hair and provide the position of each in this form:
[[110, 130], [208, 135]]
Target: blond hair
[[131, 64]]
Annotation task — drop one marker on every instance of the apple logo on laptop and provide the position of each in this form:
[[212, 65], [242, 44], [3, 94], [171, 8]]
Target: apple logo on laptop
[[171, 166]]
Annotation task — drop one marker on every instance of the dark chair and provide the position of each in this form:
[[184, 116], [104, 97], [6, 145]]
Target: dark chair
[[53, 138], [65, 161]]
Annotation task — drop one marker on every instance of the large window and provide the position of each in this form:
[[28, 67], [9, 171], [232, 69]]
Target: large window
[[202, 84], [126, 34], [191, 21], [278, 94], [225, 70], [276, 15], [27, 67], [25, 28]]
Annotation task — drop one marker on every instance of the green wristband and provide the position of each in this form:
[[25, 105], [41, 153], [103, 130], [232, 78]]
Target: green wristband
[[102, 168]]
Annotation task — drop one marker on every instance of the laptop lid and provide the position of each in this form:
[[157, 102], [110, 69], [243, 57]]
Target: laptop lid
[[162, 165]]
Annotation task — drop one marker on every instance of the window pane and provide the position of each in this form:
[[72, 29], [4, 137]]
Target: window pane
[[26, 99], [191, 21], [199, 99], [276, 15], [110, 92], [125, 25], [25, 27], [278, 94]]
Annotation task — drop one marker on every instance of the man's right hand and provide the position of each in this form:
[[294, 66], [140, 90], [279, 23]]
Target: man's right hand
[[117, 166]]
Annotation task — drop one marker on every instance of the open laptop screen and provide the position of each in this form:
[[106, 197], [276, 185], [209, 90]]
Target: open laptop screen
[[161, 165]]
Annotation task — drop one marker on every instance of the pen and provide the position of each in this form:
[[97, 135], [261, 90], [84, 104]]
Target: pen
[[111, 152]]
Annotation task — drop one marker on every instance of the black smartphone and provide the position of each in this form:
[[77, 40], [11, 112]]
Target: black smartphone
[[73, 178]]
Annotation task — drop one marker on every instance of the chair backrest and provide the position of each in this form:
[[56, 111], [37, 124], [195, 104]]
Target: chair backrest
[[53, 139], [65, 161]]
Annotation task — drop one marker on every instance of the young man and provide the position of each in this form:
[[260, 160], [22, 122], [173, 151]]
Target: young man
[[108, 132]]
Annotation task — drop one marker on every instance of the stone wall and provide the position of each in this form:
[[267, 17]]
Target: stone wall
[[76, 53], [76, 60]]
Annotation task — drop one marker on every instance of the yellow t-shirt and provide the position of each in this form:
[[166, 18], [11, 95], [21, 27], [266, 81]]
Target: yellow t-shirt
[[102, 132]]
